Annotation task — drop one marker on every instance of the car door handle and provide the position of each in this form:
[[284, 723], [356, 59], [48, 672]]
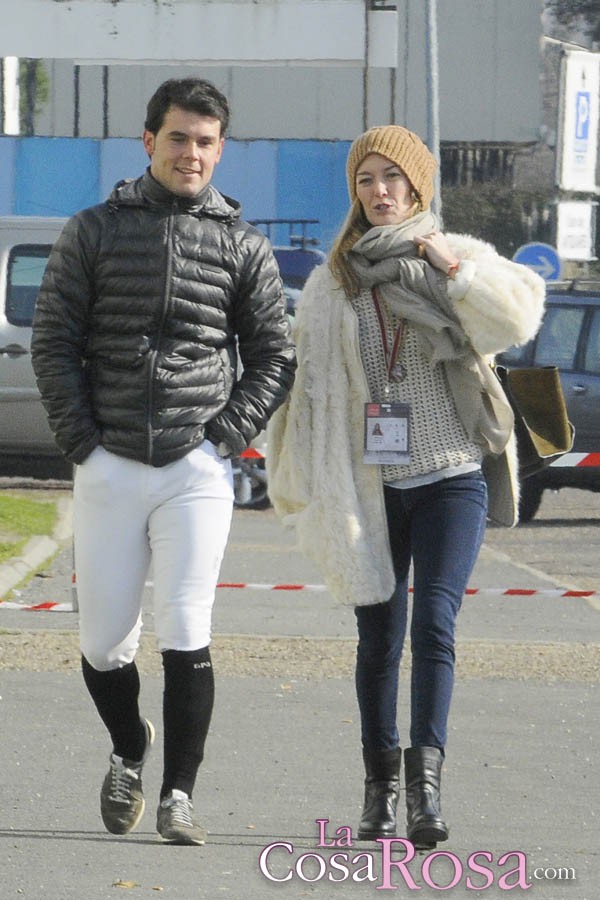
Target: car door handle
[[13, 350], [579, 389]]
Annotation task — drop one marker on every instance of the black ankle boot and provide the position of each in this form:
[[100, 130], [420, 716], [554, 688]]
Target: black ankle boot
[[422, 771], [382, 788]]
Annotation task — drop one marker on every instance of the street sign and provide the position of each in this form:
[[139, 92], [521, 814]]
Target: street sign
[[542, 258], [576, 229], [577, 148]]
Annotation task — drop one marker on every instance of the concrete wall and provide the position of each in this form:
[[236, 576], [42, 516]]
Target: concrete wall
[[293, 69], [175, 30], [304, 77]]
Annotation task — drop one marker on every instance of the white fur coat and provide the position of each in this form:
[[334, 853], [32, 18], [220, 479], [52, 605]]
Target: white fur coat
[[318, 482]]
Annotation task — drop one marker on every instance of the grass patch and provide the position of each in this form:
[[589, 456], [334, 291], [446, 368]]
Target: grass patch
[[8, 549], [20, 519]]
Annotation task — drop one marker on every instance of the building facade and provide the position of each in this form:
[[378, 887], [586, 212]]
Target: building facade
[[304, 77]]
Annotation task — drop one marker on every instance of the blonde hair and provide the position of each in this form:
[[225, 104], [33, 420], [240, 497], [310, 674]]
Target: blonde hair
[[353, 227]]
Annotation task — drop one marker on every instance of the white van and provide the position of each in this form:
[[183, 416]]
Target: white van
[[25, 243]]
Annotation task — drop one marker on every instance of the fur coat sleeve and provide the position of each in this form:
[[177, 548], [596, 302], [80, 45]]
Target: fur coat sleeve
[[502, 302]]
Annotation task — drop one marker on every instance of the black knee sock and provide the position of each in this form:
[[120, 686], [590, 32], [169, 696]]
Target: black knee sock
[[115, 694], [187, 708]]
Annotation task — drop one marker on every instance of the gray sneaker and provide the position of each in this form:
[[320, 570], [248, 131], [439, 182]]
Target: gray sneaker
[[175, 820], [121, 798]]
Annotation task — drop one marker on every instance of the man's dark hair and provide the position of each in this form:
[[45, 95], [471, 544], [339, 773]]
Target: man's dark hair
[[192, 94]]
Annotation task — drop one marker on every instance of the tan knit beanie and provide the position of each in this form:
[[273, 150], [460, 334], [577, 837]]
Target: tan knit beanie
[[402, 147]]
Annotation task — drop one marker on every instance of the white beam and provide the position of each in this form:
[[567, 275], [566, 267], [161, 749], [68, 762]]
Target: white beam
[[228, 32]]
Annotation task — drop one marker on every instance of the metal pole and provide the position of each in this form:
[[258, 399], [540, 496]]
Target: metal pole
[[365, 85], [105, 103], [433, 117]]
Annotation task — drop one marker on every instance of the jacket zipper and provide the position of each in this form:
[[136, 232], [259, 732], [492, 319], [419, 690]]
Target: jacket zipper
[[159, 331]]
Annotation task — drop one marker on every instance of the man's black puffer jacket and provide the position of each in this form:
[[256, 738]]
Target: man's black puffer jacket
[[143, 305]]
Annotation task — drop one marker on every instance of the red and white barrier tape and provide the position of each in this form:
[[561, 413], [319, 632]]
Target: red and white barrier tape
[[567, 459], [49, 606], [506, 592], [577, 460]]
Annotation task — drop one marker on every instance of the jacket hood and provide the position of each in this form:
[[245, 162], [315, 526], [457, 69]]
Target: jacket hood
[[147, 191]]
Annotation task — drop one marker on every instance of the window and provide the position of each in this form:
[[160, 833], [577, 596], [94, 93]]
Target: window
[[26, 266], [591, 362], [515, 356], [558, 338]]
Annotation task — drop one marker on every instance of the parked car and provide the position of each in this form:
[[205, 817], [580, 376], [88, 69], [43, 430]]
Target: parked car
[[570, 339], [25, 243]]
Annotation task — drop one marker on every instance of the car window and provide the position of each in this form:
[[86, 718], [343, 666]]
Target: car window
[[26, 266], [515, 356], [591, 362], [557, 340]]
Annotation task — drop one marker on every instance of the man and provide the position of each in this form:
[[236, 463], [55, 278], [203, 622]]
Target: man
[[146, 301]]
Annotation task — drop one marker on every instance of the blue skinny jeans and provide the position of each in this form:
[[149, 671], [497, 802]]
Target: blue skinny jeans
[[439, 528]]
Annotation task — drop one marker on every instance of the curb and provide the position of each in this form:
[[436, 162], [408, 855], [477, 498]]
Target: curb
[[37, 550]]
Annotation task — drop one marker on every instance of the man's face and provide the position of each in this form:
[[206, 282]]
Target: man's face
[[185, 151]]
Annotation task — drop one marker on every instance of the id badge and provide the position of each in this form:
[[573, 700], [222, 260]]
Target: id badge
[[387, 429]]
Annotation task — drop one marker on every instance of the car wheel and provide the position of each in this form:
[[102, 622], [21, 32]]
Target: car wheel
[[530, 499]]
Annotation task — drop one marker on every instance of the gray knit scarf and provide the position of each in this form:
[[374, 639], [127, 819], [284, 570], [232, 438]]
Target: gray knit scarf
[[386, 257]]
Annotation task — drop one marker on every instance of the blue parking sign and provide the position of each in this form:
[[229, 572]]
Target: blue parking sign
[[542, 258], [583, 104]]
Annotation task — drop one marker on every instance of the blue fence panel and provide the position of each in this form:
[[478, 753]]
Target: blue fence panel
[[120, 158], [8, 151], [311, 184], [271, 179], [246, 172], [55, 176]]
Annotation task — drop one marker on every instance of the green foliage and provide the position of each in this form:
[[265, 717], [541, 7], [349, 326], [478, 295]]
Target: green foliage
[[10, 549], [498, 215], [572, 13], [493, 213], [22, 518], [34, 91]]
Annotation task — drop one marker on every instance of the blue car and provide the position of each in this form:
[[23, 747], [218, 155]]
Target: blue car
[[569, 339]]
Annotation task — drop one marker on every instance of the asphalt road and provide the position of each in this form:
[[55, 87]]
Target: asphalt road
[[560, 544], [516, 620], [522, 764]]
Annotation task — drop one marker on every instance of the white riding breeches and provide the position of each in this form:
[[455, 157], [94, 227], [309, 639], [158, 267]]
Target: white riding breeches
[[128, 516]]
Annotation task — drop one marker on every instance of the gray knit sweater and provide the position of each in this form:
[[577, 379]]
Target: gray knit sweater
[[438, 439]]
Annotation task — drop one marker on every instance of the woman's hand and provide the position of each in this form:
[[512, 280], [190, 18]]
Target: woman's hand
[[435, 247]]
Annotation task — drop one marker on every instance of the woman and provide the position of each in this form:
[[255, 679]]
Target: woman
[[394, 437]]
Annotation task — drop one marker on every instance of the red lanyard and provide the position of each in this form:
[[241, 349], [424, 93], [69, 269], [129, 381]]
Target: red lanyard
[[394, 372]]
